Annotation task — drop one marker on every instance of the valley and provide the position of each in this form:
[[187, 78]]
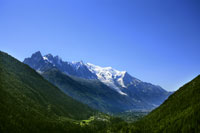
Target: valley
[[99, 66], [52, 101]]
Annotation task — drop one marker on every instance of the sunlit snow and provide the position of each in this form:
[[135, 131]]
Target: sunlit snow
[[108, 76]]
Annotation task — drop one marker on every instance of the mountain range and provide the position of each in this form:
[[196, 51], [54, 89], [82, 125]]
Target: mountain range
[[29, 103], [102, 88]]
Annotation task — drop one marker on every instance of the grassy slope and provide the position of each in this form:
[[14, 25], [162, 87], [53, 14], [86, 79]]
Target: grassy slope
[[29, 103], [179, 113]]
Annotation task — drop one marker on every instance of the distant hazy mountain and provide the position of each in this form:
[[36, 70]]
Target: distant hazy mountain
[[178, 114], [141, 94]]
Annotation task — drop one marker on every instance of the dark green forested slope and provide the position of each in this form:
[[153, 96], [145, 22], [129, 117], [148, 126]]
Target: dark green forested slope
[[29, 103], [179, 113]]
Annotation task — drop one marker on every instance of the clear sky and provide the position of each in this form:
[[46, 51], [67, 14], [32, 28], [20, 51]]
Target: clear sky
[[157, 41]]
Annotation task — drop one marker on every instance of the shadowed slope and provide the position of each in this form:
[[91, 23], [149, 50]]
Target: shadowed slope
[[29, 103], [179, 113]]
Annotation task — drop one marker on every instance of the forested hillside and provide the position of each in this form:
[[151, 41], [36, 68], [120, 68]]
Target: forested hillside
[[179, 113]]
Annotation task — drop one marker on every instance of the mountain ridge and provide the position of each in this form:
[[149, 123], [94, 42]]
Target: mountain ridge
[[119, 81], [94, 69]]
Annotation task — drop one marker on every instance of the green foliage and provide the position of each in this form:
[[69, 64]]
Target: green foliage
[[102, 123], [132, 116], [29, 103], [179, 113]]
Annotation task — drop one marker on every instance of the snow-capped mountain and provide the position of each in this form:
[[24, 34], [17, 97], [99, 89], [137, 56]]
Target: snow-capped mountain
[[119, 81], [42, 63], [112, 77], [107, 75]]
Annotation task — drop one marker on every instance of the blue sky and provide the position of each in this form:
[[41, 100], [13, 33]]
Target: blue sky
[[157, 41]]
